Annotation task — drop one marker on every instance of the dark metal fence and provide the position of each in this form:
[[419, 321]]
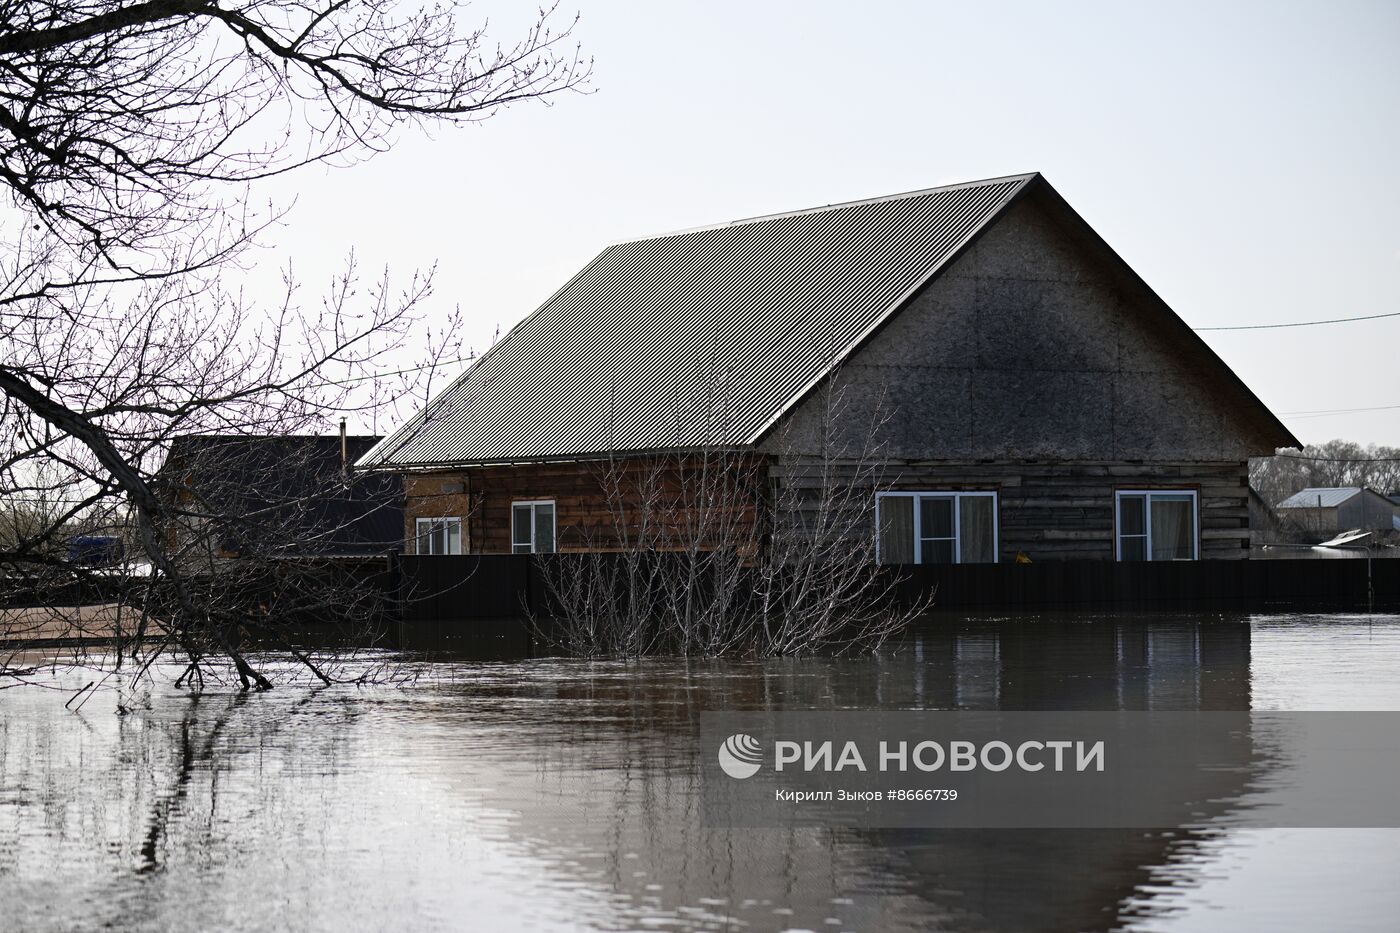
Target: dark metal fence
[[485, 600], [502, 587], [1254, 586]]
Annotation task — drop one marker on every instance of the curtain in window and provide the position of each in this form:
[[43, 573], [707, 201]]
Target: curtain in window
[[544, 529], [1173, 526], [1132, 527], [520, 521], [897, 529], [978, 517]]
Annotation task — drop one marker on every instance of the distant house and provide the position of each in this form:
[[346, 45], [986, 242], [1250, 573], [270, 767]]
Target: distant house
[[1327, 510], [1041, 399], [279, 497]]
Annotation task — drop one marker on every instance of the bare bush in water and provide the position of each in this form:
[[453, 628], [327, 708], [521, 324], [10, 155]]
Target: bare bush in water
[[723, 551]]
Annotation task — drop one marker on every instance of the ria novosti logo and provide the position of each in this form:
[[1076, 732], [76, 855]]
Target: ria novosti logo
[[740, 756]]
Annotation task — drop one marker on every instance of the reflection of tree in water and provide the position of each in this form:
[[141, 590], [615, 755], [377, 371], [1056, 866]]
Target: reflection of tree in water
[[193, 750], [202, 750], [144, 811]]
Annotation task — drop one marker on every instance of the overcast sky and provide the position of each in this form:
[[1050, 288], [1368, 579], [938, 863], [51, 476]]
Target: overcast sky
[[1241, 157]]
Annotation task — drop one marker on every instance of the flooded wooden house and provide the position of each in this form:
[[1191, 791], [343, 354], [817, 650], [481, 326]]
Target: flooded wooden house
[[1020, 392]]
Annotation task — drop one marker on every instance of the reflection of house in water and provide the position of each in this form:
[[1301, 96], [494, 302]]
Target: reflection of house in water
[[977, 671], [1062, 879], [1050, 664], [1011, 880]]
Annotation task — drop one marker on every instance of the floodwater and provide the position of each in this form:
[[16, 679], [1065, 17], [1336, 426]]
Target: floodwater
[[563, 795]]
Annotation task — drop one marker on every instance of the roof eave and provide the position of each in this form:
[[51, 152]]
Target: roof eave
[[439, 466]]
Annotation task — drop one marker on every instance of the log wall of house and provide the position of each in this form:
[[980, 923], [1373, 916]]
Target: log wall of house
[[590, 498], [434, 495], [1061, 511], [1065, 511]]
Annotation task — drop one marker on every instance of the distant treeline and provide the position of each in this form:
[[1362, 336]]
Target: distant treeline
[[1335, 463]]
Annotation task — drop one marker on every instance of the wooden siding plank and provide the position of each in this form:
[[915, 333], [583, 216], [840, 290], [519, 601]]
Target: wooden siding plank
[[1049, 511]]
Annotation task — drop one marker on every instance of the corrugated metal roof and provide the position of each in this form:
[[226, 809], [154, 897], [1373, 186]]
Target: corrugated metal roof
[[1319, 497], [697, 338], [1345, 538]]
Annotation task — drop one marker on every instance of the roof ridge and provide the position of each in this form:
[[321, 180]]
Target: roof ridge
[[903, 195]]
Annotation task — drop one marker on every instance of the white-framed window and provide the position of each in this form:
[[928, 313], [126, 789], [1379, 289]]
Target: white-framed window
[[1157, 524], [936, 527], [439, 535], [532, 527]]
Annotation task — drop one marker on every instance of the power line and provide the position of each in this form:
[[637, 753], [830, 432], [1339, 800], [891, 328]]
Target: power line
[[1339, 320], [1335, 411]]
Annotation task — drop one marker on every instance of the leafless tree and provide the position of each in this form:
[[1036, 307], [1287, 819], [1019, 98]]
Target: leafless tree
[[132, 138]]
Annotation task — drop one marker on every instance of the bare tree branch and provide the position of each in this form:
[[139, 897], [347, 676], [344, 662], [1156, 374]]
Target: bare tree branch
[[132, 135]]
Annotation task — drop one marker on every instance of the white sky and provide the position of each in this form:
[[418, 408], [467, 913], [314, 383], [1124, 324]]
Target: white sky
[[1241, 157]]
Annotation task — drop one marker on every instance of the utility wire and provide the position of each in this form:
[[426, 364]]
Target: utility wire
[[1339, 320], [1335, 411], [472, 357], [1338, 411]]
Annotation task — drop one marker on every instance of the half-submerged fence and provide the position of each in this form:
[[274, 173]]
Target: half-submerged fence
[[495, 593], [486, 600]]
